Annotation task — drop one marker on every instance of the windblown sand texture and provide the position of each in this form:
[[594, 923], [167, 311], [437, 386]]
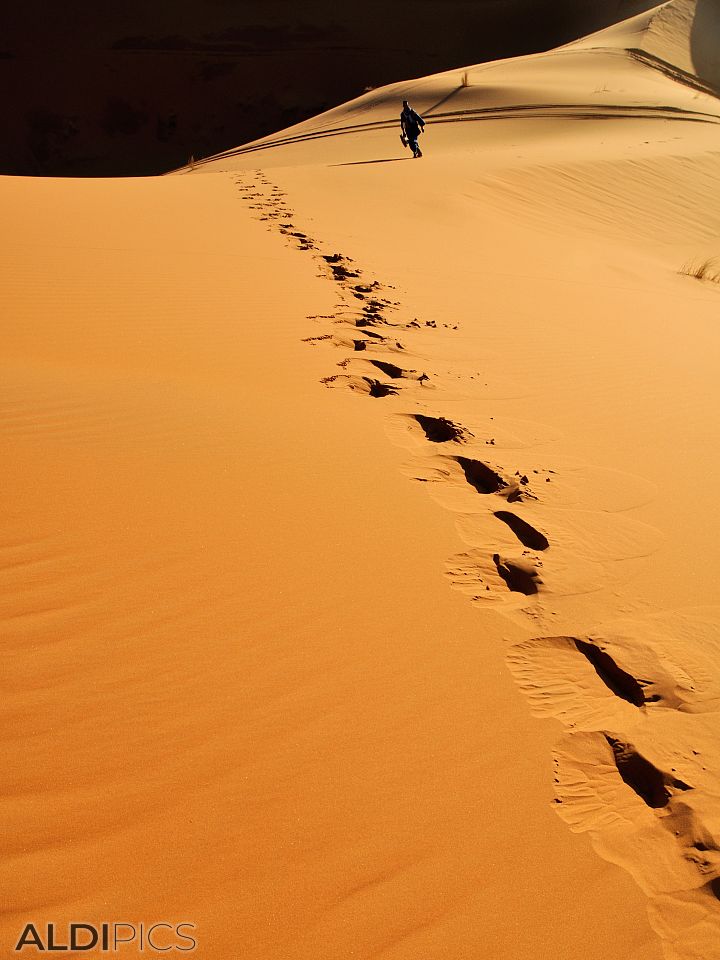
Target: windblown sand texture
[[342, 497]]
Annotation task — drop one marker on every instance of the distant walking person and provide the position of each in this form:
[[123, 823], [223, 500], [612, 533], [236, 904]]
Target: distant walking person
[[412, 125]]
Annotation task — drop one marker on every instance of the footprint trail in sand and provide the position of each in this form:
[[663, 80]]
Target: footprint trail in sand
[[553, 544]]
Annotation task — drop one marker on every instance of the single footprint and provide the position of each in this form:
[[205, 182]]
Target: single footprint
[[378, 389], [526, 534], [390, 369], [652, 785], [520, 575], [440, 429], [480, 476]]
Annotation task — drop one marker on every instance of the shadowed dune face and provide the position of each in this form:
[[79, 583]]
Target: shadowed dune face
[[703, 41], [173, 79]]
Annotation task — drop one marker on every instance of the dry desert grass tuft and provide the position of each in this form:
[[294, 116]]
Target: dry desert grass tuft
[[703, 270]]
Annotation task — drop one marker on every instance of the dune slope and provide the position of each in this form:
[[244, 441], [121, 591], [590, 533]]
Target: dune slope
[[345, 492], [558, 237], [239, 692]]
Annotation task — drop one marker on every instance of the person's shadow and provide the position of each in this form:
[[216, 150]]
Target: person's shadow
[[357, 163]]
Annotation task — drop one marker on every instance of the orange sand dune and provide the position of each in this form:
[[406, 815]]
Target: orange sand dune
[[242, 694], [342, 496]]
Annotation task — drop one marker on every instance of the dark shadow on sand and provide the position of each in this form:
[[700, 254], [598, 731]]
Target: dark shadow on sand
[[358, 163], [704, 37], [444, 100]]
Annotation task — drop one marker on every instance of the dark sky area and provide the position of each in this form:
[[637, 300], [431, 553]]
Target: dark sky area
[[133, 87]]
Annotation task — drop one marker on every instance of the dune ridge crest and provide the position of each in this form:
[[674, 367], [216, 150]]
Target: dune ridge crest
[[680, 34]]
